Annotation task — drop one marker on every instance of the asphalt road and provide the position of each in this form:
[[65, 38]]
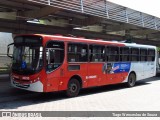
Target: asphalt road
[[143, 97]]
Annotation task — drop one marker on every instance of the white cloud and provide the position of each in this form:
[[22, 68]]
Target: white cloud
[[151, 7]]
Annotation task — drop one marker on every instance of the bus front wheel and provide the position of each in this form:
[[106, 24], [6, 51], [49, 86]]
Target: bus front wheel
[[73, 88], [131, 80]]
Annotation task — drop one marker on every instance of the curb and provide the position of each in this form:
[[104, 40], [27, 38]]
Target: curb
[[4, 75]]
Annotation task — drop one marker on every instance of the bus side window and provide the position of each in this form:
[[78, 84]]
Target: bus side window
[[151, 55], [112, 53], [143, 54], [134, 54], [96, 53], [124, 54], [77, 52], [54, 55]]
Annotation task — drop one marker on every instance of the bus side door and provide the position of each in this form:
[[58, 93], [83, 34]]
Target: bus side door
[[54, 64]]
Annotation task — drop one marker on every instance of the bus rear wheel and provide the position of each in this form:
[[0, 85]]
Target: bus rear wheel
[[131, 80], [73, 88]]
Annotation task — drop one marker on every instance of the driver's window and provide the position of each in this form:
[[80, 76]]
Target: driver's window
[[54, 55]]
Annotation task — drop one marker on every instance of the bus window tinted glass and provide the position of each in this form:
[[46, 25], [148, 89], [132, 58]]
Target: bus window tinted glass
[[54, 55], [77, 52], [151, 55], [112, 53], [124, 53], [143, 54], [134, 54], [97, 53]]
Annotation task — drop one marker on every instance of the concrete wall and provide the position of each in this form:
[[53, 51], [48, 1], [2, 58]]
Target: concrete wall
[[5, 39]]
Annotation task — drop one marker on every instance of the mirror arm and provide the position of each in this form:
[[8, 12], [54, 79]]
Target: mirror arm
[[8, 48]]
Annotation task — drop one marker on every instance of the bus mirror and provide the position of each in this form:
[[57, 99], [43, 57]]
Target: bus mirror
[[8, 50]]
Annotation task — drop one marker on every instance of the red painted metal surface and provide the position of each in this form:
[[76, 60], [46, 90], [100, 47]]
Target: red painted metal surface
[[90, 73]]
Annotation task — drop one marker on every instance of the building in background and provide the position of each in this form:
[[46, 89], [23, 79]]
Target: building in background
[[5, 39]]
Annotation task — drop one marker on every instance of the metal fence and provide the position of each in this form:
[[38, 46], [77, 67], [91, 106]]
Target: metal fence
[[106, 9]]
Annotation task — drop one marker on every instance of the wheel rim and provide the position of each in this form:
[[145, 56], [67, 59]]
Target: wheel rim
[[73, 88], [132, 80]]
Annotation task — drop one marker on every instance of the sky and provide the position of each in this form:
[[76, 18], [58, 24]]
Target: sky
[[151, 7]]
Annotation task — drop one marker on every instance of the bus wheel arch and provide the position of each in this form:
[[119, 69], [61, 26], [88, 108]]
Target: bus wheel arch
[[78, 78], [74, 86], [131, 79]]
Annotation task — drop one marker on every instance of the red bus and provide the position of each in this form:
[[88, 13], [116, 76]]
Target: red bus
[[47, 63]]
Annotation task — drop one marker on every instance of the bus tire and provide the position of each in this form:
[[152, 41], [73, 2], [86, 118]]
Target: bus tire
[[73, 88], [131, 80]]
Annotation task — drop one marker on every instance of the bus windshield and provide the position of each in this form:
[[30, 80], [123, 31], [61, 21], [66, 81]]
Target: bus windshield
[[27, 55]]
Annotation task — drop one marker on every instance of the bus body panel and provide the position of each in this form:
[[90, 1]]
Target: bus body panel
[[91, 73], [119, 72], [29, 82], [143, 70], [95, 77]]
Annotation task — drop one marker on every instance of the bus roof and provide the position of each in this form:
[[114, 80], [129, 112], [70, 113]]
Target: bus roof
[[93, 41]]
